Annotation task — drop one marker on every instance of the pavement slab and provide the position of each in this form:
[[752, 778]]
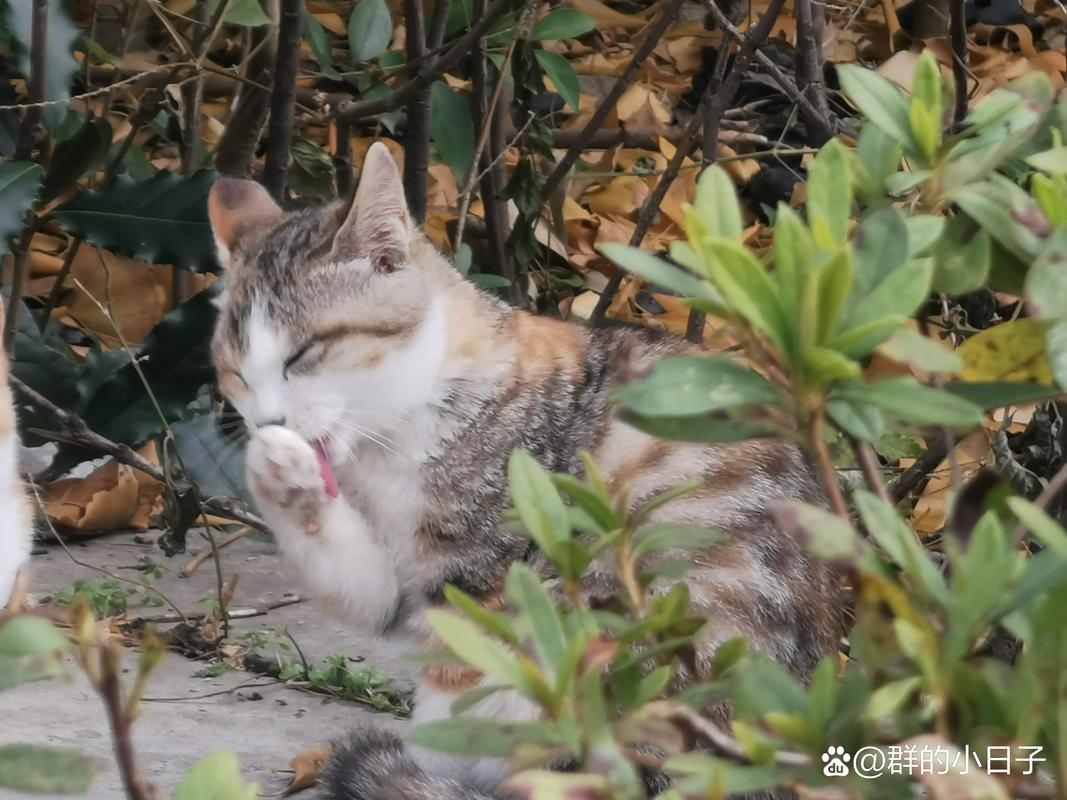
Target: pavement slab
[[187, 716]]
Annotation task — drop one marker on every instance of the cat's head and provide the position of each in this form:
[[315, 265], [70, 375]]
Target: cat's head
[[328, 323]]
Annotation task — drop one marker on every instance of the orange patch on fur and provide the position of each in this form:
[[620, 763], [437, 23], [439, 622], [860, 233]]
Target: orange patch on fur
[[548, 345]]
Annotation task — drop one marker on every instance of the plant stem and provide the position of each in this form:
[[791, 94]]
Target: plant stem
[[417, 126], [353, 111], [824, 466], [282, 98], [668, 14], [958, 37]]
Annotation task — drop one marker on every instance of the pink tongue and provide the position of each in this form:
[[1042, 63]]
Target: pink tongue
[[325, 468]]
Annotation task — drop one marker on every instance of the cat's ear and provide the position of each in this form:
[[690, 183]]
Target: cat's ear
[[238, 208], [378, 226]]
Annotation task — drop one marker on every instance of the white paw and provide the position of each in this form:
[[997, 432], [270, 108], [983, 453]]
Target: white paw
[[283, 474]]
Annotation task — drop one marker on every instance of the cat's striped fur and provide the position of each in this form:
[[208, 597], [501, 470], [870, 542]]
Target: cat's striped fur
[[345, 336], [15, 519]]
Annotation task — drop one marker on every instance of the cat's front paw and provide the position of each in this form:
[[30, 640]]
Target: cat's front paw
[[285, 478]]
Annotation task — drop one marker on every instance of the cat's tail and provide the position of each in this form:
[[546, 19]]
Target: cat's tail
[[371, 764]]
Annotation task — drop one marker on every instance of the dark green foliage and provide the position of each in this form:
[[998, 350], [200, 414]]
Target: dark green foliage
[[162, 220]]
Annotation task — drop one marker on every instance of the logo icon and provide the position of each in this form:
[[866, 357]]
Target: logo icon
[[836, 760]]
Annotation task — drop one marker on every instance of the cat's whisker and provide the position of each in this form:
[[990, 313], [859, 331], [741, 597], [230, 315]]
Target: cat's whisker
[[378, 438]]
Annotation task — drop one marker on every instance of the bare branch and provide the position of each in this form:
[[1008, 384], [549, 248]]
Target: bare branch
[[283, 96], [353, 111]]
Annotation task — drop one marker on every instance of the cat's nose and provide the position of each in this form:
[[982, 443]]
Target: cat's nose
[[278, 421]]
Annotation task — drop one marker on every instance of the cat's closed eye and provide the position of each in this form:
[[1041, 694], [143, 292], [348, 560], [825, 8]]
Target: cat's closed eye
[[295, 357]]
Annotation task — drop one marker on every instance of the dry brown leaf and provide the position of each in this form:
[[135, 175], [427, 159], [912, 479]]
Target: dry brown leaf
[[106, 500]]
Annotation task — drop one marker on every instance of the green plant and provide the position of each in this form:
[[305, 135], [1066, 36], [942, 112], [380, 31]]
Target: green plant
[[910, 211]]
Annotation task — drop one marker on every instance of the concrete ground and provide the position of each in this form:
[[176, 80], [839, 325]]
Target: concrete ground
[[185, 717]]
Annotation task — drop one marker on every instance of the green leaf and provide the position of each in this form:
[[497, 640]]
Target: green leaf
[[562, 74], [826, 536], [923, 232], [475, 648], [877, 157], [321, 46], [857, 419], [995, 394], [906, 400], [911, 347], [19, 184], [794, 258], [887, 699], [716, 204], [1044, 528], [370, 30], [900, 543], [36, 769], [216, 777], [834, 282], [881, 247], [829, 203], [746, 287], [213, 462], [162, 220], [590, 500], [997, 205], [859, 341], [538, 616], [879, 99], [963, 257], [704, 428], [666, 536], [1056, 351], [75, 156], [493, 622], [562, 23], [658, 271], [484, 280], [246, 13], [823, 365], [1054, 160], [468, 700], [537, 502], [927, 105], [30, 649], [452, 129], [684, 385], [175, 361], [1051, 196], [900, 294], [1046, 282], [471, 736]]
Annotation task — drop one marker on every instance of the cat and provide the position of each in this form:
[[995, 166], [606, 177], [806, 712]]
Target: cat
[[16, 532], [383, 394]]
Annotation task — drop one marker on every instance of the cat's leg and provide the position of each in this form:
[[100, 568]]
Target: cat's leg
[[373, 764], [326, 539]]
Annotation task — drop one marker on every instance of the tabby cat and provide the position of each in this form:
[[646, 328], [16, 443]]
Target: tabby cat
[[15, 521], [383, 394]]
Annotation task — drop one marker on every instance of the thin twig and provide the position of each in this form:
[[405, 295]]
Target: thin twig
[[821, 130], [713, 94], [110, 690], [417, 126], [353, 111], [872, 471], [488, 115], [719, 739], [654, 32], [958, 36], [77, 432]]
